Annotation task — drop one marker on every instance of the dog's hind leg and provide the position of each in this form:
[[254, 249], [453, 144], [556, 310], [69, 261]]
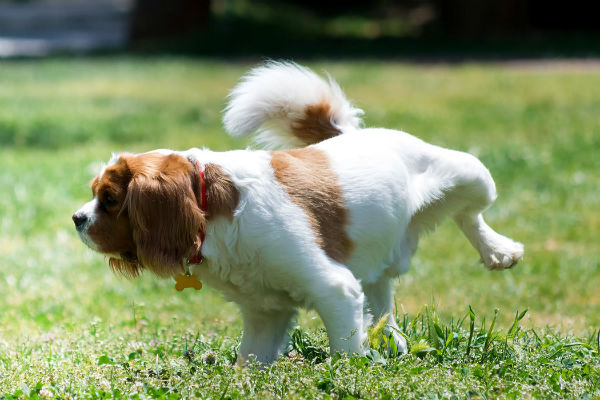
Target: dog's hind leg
[[380, 301], [338, 298], [475, 191], [264, 334], [459, 185], [497, 251]]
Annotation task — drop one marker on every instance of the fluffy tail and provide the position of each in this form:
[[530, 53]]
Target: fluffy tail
[[287, 105]]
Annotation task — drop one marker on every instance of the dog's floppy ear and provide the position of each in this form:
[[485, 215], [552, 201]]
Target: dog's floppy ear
[[223, 197], [164, 213]]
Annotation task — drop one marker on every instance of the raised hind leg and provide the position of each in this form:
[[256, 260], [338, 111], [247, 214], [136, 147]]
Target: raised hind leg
[[463, 188], [497, 251], [475, 191]]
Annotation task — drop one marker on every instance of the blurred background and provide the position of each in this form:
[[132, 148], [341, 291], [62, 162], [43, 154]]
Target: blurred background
[[416, 29]]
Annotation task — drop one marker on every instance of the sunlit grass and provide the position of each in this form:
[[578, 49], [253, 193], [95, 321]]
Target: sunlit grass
[[67, 325]]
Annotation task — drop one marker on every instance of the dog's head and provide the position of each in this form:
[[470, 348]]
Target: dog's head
[[145, 213]]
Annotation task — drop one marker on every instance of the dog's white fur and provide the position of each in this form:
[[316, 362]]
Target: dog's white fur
[[395, 187], [271, 97]]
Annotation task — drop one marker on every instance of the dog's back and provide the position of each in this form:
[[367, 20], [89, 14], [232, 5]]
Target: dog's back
[[394, 185]]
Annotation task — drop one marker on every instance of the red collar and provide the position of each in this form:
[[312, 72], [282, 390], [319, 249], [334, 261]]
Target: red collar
[[197, 259]]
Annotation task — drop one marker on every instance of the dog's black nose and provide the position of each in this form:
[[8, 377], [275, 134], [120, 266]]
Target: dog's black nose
[[79, 219]]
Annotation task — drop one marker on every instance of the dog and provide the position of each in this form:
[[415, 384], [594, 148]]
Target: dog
[[324, 217]]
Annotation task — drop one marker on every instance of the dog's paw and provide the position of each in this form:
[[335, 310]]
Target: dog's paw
[[502, 253], [400, 342]]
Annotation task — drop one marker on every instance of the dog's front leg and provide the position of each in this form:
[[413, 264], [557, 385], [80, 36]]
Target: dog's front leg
[[264, 334]]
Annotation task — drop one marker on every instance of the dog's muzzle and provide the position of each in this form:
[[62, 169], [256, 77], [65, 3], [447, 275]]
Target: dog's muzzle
[[80, 220]]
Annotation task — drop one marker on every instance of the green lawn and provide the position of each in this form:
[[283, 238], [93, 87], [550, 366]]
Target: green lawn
[[69, 328]]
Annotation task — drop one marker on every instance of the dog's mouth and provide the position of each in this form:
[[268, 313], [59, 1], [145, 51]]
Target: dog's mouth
[[85, 238]]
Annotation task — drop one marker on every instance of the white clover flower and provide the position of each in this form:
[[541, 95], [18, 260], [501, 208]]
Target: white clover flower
[[45, 393], [138, 387], [104, 385]]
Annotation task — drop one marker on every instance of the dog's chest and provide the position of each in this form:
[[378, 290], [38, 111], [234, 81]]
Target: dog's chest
[[245, 284]]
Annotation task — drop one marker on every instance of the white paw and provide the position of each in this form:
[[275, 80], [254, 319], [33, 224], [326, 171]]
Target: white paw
[[400, 342], [501, 253]]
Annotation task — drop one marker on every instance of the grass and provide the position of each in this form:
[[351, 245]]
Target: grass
[[69, 328]]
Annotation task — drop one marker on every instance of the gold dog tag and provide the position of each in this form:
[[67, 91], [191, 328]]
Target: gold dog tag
[[184, 281]]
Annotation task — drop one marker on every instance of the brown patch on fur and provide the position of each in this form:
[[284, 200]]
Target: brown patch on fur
[[310, 182], [316, 125], [222, 196]]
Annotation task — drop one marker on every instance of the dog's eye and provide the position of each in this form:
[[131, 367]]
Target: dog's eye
[[109, 201]]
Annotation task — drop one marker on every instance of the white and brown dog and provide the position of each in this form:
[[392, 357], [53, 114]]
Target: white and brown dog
[[325, 225]]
